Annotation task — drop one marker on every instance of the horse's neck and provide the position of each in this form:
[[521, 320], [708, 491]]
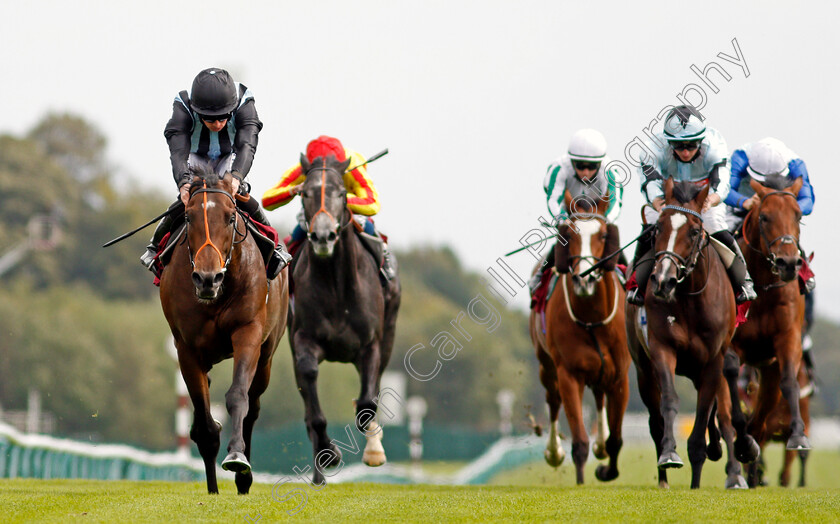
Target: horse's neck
[[340, 268]]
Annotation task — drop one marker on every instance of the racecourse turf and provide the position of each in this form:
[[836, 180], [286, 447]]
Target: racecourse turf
[[533, 493]]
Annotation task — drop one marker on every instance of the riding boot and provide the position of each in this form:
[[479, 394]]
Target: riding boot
[[389, 263], [278, 258], [742, 283], [808, 360], [535, 280], [163, 227], [643, 265]]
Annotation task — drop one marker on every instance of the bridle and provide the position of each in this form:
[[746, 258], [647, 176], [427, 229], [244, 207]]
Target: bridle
[[208, 242], [770, 256], [684, 265], [308, 223]]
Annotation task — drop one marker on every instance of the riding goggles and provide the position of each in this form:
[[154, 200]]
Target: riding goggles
[[685, 145], [583, 165], [214, 118]]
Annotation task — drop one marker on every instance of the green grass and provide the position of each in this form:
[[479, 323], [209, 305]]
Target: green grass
[[533, 493]]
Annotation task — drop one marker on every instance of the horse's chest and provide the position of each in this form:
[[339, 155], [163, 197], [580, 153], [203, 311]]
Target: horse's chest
[[342, 335]]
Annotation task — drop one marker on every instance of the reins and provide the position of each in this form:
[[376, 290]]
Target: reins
[[322, 208]]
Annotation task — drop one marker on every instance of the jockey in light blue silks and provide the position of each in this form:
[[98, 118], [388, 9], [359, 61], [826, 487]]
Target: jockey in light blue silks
[[758, 160], [581, 172], [686, 150]]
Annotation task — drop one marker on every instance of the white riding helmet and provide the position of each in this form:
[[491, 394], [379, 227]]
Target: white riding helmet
[[684, 123], [766, 159], [588, 144]]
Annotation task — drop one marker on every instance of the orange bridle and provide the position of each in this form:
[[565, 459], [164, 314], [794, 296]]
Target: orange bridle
[[208, 241]]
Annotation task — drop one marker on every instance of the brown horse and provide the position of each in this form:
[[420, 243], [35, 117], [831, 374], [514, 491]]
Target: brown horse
[[690, 316], [219, 305], [771, 339], [585, 343], [340, 312], [778, 428]]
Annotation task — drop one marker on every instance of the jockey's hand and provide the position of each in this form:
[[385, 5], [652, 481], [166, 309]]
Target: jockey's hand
[[657, 203], [298, 189], [712, 200], [234, 186], [185, 193], [750, 202]]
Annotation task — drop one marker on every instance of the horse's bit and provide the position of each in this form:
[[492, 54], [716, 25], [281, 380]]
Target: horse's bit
[[684, 265]]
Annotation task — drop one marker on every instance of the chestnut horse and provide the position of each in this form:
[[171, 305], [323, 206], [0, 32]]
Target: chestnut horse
[[771, 339], [219, 305], [585, 343], [340, 313], [690, 316]]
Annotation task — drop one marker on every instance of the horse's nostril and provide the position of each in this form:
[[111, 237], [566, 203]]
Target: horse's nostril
[[331, 237], [196, 278], [218, 278]]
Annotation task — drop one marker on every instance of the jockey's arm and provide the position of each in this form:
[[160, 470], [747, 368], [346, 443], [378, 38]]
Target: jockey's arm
[[362, 197], [177, 133], [285, 190], [805, 198], [248, 126], [738, 171], [554, 185]]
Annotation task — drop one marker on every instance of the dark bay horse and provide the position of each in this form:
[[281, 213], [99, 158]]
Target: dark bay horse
[[585, 343], [340, 311], [219, 305], [771, 339], [690, 314]]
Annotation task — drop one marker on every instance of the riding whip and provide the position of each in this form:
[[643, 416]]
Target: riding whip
[[126, 235], [373, 158]]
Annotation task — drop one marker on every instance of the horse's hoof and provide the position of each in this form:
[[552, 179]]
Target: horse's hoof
[[714, 451], [218, 425], [738, 482], [374, 458], [664, 485], [599, 450], [798, 443], [670, 459], [554, 459], [335, 453], [236, 462], [605, 474], [747, 450]]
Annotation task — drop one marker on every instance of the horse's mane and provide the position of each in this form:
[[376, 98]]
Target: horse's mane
[[203, 171], [685, 191], [777, 182]]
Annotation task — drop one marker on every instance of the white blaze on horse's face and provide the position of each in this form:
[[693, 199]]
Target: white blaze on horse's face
[[666, 264], [587, 230]]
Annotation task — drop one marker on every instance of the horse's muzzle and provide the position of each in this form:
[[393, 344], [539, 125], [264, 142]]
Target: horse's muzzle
[[787, 267], [664, 286], [207, 284], [323, 243]]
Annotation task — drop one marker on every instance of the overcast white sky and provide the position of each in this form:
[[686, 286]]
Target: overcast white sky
[[474, 99]]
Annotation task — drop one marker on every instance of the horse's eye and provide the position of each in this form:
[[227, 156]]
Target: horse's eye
[[763, 218], [693, 233], [232, 218]]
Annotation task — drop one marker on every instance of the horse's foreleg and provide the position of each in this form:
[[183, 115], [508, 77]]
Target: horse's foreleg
[[746, 448], [571, 391], [734, 479], [554, 453], [649, 391], [368, 367], [616, 405], [709, 384], [602, 431], [663, 369], [205, 430], [790, 391], [768, 399], [258, 387], [306, 360], [246, 352]]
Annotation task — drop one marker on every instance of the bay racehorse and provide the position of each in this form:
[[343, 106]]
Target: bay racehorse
[[690, 316], [584, 343], [771, 339], [219, 305], [340, 310]]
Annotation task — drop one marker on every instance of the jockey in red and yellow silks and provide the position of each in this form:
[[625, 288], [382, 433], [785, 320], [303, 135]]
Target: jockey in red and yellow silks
[[362, 197]]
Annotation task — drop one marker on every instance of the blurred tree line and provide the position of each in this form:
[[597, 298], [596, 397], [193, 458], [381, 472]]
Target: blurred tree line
[[83, 325]]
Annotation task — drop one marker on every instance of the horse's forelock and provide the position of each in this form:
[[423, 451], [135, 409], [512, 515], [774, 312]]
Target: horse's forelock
[[778, 182], [685, 192]]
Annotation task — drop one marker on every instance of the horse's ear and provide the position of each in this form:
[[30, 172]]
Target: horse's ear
[[757, 187], [305, 165], [702, 195], [796, 186], [567, 202], [611, 245], [561, 249], [668, 187], [601, 204], [342, 167]]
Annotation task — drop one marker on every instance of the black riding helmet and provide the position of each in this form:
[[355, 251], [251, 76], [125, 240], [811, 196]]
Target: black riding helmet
[[213, 93]]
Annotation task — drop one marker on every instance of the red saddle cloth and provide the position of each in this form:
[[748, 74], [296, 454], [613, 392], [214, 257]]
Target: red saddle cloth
[[805, 273]]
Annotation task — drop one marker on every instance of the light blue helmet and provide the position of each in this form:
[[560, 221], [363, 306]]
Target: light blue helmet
[[684, 123]]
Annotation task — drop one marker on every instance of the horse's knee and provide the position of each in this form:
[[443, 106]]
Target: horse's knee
[[235, 397], [731, 365], [317, 423], [307, 369], [614, 445], [696, 450], [580, 452]]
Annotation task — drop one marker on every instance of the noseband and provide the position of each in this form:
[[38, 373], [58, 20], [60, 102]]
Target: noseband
[[323, 209], [685, 265], [208, 241], [771, 256]]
